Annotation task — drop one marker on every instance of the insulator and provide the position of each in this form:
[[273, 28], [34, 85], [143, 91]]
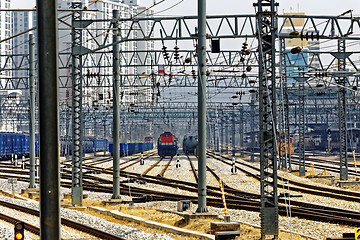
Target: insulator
[[187, 60], [294, 33], [319, 85], [176, 54], [243, 75], [252, 90], [296, 50], [207, 73], [252, 81], [235, 103], [354, 88], [158, 94], [247, 52], [158, 84], [245, 44], [248, 68], [234, 96]]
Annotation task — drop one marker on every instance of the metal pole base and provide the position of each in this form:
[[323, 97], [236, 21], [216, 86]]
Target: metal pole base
[[202, 210], [77, 196], [344, 174], [116, 197], [301, 171]]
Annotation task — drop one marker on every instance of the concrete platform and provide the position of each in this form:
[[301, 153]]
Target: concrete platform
[[78, 208], [68, 196], [34, 195], [320, 176], [27, 190], [152, 224], [225, 226], [226, 235], [17, 196], [192, 216], [112, 202], [348, 183]]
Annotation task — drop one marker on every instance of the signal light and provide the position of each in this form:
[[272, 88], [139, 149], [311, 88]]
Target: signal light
[[19, 230]]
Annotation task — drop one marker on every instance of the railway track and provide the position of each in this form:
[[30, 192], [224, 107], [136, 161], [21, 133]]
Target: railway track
[[323, 164], [297, 186], [66, 222], [235, 200], [154, 165]]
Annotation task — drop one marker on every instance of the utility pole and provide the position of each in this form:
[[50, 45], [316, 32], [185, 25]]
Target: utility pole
[[267, 29], [32, 139], [201, 50], [241, 128], [252, 126], [233, 142], [116, 106], [49, 120]]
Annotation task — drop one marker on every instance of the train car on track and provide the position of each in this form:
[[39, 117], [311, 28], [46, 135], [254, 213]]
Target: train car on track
[[167, 145], [127, 149], [90, 145], [18, 144], [190, 144]]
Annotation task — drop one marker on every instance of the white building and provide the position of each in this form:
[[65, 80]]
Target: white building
[[5, 32], [21, 22], [100, 96]]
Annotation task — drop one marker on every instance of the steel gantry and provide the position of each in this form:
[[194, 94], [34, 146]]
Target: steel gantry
[[266, 31], [224, 71]]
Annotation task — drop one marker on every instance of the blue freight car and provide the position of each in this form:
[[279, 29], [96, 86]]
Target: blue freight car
[[89, 143], [127, 149], [16, 144]]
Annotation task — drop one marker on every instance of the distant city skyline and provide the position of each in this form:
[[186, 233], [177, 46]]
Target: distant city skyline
[[188, 7]]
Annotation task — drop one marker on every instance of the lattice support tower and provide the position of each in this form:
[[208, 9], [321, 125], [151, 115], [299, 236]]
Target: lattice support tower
[[77, 187], [252, 126], [341, 56], [266, 30], [285, 155], [301, 104]]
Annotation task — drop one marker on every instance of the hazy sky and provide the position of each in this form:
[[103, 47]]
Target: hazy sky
[[214, 7]]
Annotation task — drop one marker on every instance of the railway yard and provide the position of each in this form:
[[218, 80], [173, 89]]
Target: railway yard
[[174, 119], [316, 209]]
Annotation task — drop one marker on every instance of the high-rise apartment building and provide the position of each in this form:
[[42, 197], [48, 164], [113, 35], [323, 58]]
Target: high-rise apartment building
[[101, 96], [21, 22], [5, 32]]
